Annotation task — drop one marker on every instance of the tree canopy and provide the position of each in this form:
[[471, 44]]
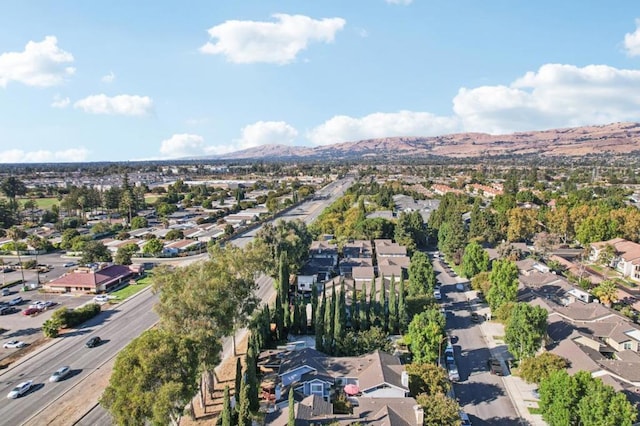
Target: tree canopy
[[504, 283], [525, 330], [153, 379], [425, 334]]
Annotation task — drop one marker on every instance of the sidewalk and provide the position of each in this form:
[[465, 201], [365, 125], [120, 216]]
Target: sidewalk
[[517, 389]]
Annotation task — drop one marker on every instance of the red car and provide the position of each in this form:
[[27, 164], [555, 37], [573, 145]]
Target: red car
[[30, 311]]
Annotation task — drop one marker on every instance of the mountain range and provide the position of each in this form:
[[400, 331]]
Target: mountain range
[[612, 139]]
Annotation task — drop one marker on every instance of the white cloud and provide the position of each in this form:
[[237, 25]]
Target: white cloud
[[632, 41], [402, 2], [278, 42], [59, 102], [182, 145], [39, 64], [267, 133], [554, 96], [109, 78], [120, 104], [44, 156], [342, 128]]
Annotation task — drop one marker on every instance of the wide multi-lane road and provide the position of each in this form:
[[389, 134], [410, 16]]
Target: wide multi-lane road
[[116, 327]]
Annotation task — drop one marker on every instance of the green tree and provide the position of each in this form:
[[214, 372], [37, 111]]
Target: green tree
[[422, 278], [403, 318], [606, 292], [428, 378], [319, 324], [452, 238], [12, 187], [439, 410], [536, 369], [252, 379], [504, 283], [426, 331], [340, 317], [153, 379], [244, 412], [292, 409], [238, 379], [139, 222], [95, 251], [393, 307], [16, 234], [525, 330], [474, 260], [153, 247], [226, 414], [521, 224], [364, 309]]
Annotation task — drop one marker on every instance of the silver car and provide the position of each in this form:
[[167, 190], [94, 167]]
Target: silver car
[[60, 374], [20, 390]]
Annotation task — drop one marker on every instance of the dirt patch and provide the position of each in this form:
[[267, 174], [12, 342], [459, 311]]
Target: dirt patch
[[22, 352], [208, 413]]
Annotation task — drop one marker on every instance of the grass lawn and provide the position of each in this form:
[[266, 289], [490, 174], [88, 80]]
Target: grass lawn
[[131, 289], [150, 199], [534, 410], [46, 203]]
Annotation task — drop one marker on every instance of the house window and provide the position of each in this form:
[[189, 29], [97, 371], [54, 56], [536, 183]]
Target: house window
[[626, 345], [317, 389]]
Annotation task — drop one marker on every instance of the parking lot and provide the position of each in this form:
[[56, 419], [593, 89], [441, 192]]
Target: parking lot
[[27, 328]]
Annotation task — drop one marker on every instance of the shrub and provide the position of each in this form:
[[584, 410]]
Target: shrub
[[71, 317]]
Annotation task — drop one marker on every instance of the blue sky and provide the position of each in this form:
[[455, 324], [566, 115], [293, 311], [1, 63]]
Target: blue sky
[[160, 79]]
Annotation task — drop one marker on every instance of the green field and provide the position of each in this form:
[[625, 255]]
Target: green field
[[46, 203], [150, 199]]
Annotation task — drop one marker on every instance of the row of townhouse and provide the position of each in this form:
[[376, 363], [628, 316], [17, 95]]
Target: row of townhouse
[[626, 259], [357, 266]]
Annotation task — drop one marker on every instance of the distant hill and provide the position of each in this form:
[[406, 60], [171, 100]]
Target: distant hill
[[612, 139]]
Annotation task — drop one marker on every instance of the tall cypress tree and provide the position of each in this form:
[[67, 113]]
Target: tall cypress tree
[[286, 314], [403, 319], [374, 306], [393, 307], [304, 319], [279, 317], [292, 407], [295, 317], [364, 309], [314, 304], [384, 312], [252, 379], [236, 389], [329, 322], [319, 324], [283, 277], [355, 312], [244, 410], [340, 319], [226, 408]]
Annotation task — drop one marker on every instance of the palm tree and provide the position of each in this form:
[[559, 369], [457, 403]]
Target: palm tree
[[16, 234], [606, 292]]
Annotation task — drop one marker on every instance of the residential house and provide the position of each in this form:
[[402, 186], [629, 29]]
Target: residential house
[[357, 249], [627, 256], [387, 248]]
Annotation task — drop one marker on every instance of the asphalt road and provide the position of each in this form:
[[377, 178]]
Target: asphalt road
[[308, 212], [116, 327], [480, 394]]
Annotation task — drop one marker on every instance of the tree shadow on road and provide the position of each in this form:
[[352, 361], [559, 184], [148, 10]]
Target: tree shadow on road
[[498, 421], [23, 332], [475, 393]]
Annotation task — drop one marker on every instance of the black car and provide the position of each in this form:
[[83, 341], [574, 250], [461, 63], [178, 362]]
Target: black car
[[93, 342], [495, 367]]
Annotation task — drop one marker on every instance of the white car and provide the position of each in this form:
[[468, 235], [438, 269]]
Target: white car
[[437, 295], [101, 298], [12, 344], [20, 390], [60, 374]]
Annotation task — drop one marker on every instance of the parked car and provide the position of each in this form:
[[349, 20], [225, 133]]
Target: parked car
[[93, 342], [20, 390], [452, 369], [437, 294], [6, 292], [31, 311], [69, 264], [60, 374], [535, 393], [15, 301], [464, 419], [495, 367], [101, 298], [13, 344], [49, 303], [475, 317]]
